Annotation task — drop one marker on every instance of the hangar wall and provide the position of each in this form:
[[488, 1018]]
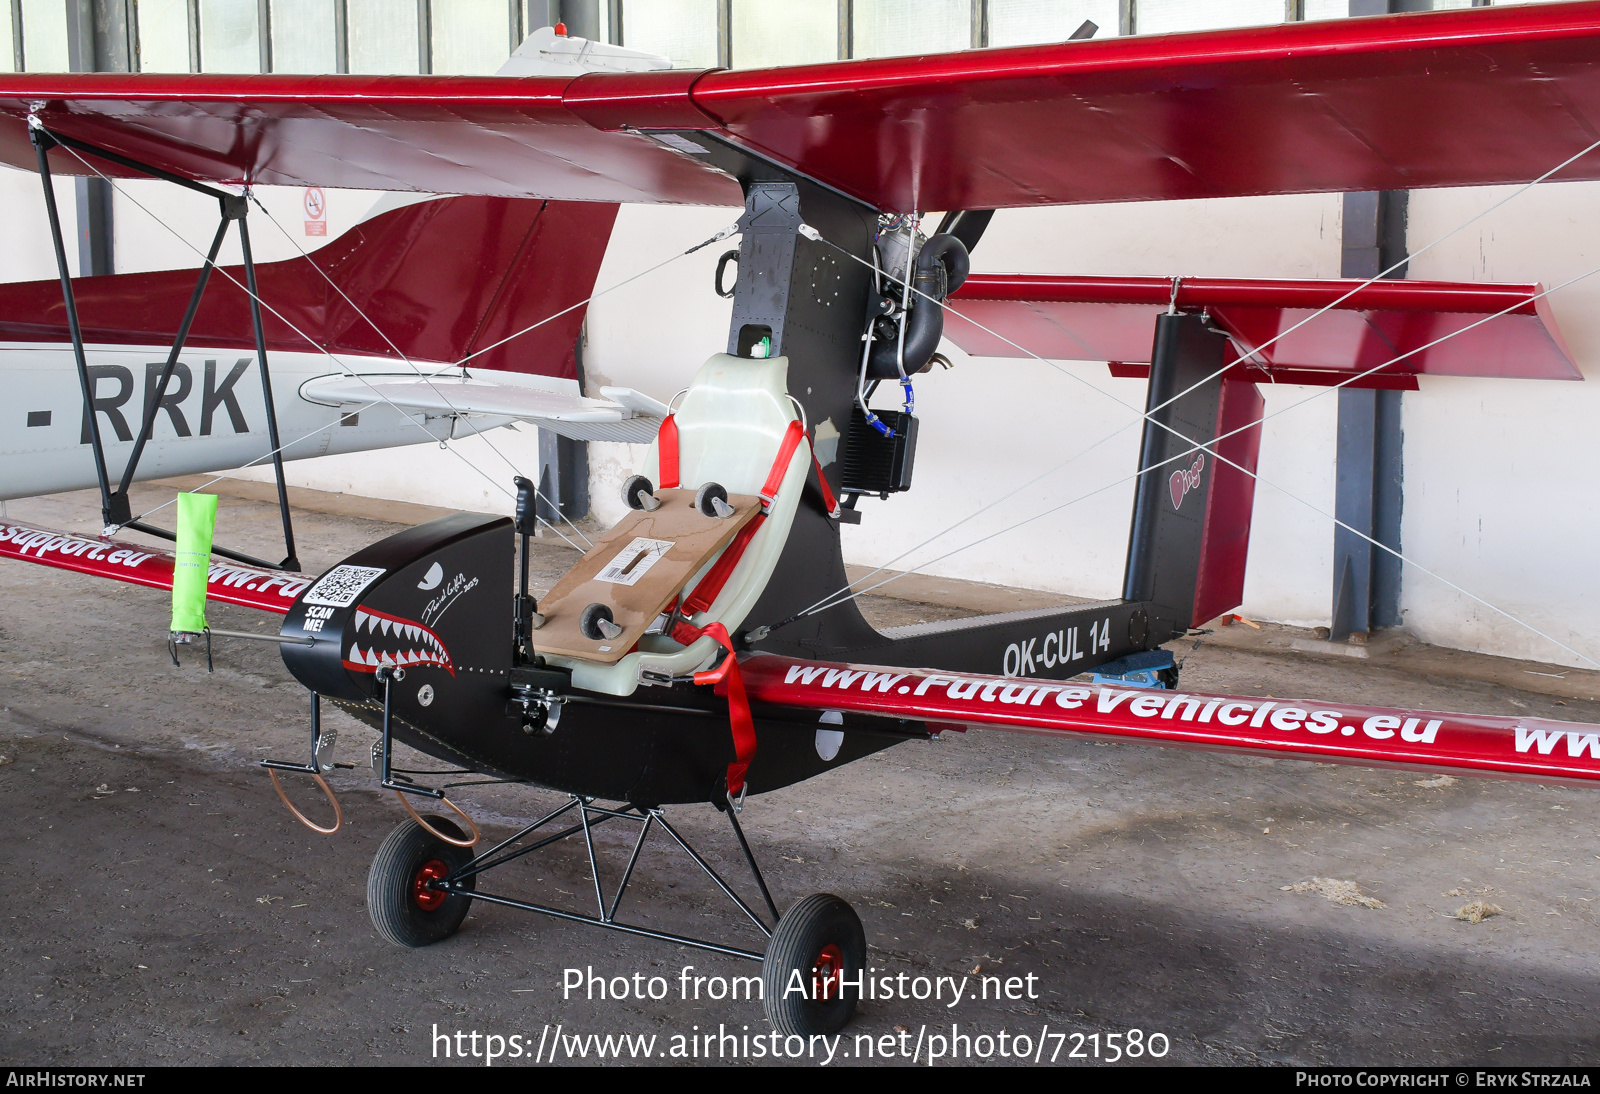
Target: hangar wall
[[1496, 470]]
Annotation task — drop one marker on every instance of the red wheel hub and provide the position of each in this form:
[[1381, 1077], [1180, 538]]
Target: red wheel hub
[[827, 974], [428, 898]]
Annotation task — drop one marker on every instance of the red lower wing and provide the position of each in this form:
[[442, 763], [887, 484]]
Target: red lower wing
[[1525, 748], [230, 582]]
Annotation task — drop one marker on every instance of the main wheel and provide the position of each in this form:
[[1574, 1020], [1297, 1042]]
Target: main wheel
[[404, 907], [811, 978]]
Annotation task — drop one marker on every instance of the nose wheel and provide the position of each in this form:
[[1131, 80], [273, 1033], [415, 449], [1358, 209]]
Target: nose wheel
[[811, 978], [403, 898]]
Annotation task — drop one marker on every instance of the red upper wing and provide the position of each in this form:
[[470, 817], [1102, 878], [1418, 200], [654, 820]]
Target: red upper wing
[[1468, 97], [1456, 98], [484, 135]]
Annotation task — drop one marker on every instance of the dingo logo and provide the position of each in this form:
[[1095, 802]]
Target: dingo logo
[[1183, 481]]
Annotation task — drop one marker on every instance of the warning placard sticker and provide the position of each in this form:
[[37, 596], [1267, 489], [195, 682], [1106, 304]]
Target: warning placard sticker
[[634, 561]]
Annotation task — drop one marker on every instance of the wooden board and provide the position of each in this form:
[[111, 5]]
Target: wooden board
[[636, 584]]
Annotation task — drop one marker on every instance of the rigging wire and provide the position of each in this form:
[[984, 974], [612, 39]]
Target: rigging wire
[[467, 418], [730, 230], [724, 234], [844, 594], [1375, 277], [442, 441], [1241, 359]]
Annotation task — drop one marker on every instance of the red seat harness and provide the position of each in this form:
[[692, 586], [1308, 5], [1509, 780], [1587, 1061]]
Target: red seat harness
[[706, 593]]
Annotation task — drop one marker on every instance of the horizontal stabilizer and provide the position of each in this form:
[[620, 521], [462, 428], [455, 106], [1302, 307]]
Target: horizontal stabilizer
[[1434, 328], [500, 282], [623, 415]]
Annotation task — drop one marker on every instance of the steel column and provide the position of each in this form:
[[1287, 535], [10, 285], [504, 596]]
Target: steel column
[[101, 37], [1368, 496]]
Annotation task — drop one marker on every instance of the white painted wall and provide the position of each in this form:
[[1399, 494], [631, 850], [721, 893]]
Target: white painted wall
[[1497, 477], [1501, 493]]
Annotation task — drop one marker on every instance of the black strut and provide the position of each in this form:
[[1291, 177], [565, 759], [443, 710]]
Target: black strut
[[525, 605], [115, 508], [291, 562], [42, 143], [153, 405]]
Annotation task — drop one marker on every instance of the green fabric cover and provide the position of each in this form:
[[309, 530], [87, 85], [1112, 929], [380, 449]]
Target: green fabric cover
[[197, 520]]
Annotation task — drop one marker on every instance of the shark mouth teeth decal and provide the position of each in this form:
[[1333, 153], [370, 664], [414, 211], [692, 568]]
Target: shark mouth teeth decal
[[390, 640]]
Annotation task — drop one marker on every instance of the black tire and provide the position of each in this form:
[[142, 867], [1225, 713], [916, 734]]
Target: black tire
[[589, 621], [396, 897], [807, 932], [635, 488], [702, 498]]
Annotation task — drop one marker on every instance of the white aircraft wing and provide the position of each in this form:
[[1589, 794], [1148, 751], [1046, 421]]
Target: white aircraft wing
[[622, 415]]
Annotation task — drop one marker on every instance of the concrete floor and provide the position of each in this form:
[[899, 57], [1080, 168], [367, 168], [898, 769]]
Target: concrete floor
[[165, 909]]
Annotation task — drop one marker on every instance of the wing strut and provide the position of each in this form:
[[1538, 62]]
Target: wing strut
[[115, 509]]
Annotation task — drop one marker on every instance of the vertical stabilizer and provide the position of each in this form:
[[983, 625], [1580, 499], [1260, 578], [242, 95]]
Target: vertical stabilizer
[[1191, 513]]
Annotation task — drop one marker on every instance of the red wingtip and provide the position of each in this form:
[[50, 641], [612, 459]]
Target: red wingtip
[[561, 29]]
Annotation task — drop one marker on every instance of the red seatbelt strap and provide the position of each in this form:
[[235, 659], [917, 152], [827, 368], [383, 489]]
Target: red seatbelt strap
[[791, 441], [827, 491], [727, 674], [716, 577], [667, 452], [711, 585], [780, 466], [744, 730]]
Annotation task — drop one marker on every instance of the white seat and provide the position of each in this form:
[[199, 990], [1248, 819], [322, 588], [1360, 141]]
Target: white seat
[[730, 426]]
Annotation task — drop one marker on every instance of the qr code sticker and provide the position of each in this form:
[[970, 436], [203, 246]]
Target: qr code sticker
[[339, 587]]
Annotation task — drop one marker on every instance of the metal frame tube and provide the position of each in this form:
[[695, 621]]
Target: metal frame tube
[[385, 676], [454, 883], [547, 841], [716, 877], [750, 858], [225, 552], [42, 142], [534, 827], [625, 928], [291, 562], [153, 406], [133, 164], [234, 207], [594, 867], [633, 859]]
